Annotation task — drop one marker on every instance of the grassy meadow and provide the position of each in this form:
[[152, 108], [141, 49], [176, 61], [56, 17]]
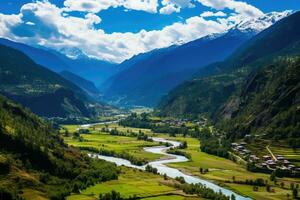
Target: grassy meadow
[[220, 170], [132, 182], [98, 139]]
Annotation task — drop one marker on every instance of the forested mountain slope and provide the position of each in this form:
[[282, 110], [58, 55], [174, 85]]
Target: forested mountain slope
[[36, 164], [216, 82], [148, 79], [268, 103], [43, 91], [253, 89]]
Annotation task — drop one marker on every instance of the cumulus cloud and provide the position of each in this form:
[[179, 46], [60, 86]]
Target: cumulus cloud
[[240, 7], [170, 6], [96, 6], [212, 14], [43, 23]]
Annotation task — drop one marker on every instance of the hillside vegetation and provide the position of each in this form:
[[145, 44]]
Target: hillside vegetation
[[256, 90], [44, 92], [36, 164]]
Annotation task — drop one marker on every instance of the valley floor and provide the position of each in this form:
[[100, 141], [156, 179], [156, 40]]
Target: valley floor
[[137, 183], [133, 182]]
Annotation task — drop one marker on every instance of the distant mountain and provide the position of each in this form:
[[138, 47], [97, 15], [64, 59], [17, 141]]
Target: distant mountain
[[43, 91], [150, 76], [88, 86], [255, 91], [153, 76], [39, 56], [91, 69]]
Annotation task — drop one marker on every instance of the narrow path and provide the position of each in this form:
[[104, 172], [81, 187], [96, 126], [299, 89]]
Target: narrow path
[[273, 156]]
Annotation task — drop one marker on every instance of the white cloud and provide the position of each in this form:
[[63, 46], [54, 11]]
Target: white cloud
[[45, 24], [168, 9], [240, 7], [170, 6], [212, 14], [96, 6]]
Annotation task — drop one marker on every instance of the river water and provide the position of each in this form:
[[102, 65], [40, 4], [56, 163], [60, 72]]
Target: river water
[[169, 171]]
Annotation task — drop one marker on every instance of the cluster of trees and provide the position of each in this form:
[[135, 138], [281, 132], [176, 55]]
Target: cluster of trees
[[180, 179], [113, 195], [143, 136], [151, 169], [137, 121], [204, 192], [176, 151], [183, 145], [257, 182], [115, 132], [203, 171], [144, 121], [215, 146]]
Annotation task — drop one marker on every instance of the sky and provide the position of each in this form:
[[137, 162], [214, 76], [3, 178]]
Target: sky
[[115, 30]]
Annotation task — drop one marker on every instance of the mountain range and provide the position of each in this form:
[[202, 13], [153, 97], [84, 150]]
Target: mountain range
[[145, 78], [91, 69], [254, 91]]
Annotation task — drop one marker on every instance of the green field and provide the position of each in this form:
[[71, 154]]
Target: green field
[[222, 170], [134, 182], [117, 143]]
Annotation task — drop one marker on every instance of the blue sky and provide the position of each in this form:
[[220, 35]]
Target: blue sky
[[115, 30], [134, 21]]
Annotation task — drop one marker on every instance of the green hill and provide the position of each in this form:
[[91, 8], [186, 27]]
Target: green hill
[[36, 164], [43, 91]]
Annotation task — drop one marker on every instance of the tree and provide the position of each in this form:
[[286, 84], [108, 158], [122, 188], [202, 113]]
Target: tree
[[292, 186], [268, 188], [255, 188], [232, 197], [165, 177], [113, 195], [295, 193], [201, 170], [183, 145], [273, 176]]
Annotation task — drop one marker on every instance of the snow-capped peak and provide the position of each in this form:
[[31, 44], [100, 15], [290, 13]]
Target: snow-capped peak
[[261, 23]]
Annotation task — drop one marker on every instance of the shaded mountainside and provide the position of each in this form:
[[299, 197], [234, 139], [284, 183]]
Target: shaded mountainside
[[39, 56], [91, 69], [43, 91], [86, 85], [252, 89], [155, 74], [268, 103], [36, 164]]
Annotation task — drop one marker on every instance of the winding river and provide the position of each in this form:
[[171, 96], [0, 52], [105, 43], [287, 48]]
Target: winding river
[[169, 171]]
